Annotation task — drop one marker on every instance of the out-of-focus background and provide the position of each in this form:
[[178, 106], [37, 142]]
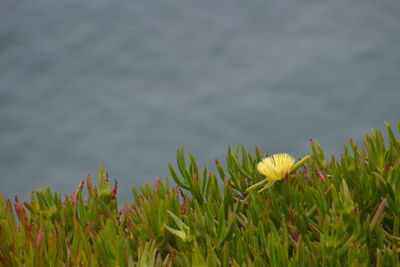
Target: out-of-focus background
[[130, 82]]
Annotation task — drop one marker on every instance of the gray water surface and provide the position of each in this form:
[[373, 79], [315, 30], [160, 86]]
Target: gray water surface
[[129, 82]]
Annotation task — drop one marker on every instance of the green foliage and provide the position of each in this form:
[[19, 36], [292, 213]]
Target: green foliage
[[328, 212]]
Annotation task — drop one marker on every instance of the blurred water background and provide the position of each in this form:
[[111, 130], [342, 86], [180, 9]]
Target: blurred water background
[[129, 82]]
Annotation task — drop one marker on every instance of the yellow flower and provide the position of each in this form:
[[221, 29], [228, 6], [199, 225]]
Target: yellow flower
[[277, 166]]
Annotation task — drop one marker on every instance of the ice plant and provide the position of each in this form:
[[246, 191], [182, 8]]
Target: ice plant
[[332, 213], [275, 168]]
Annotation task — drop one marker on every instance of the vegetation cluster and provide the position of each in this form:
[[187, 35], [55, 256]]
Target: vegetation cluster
[[327, 212]]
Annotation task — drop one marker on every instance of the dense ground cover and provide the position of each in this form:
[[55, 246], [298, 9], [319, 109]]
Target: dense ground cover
[[326, 212]]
